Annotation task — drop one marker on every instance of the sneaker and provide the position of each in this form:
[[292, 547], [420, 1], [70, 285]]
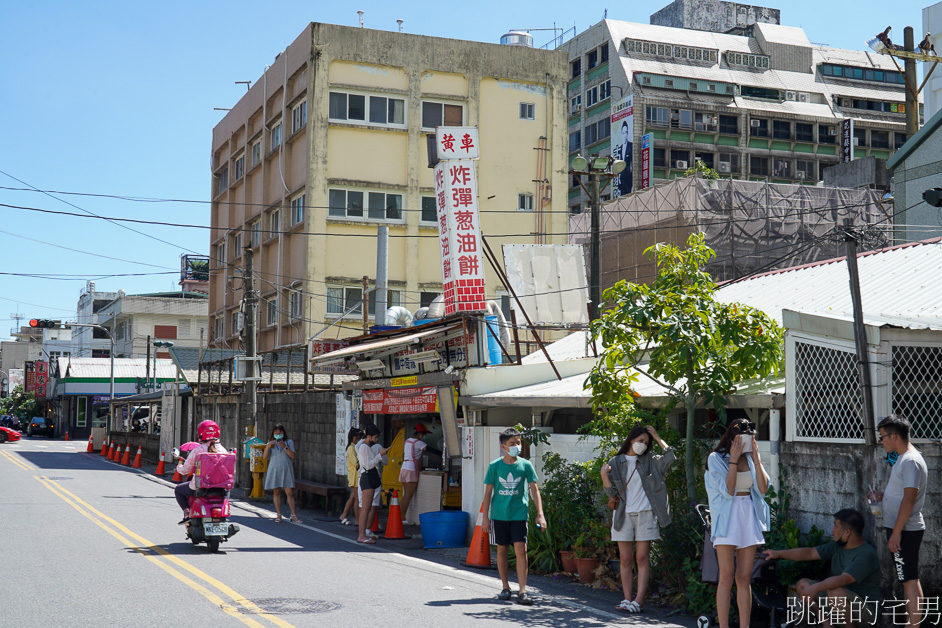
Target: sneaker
[[524, 599], [504, 595], [371, 534]]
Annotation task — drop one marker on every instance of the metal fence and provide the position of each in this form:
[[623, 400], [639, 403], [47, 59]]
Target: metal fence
[[827, 393], [917, 388]]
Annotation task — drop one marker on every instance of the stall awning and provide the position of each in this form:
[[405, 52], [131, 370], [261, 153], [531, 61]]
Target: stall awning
[[382, 347]]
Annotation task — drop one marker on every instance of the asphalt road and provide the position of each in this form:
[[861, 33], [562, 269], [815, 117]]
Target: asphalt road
[[85, 542]]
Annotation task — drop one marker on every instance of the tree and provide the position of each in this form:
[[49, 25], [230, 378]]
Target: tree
[[692, 345], [20, 403]]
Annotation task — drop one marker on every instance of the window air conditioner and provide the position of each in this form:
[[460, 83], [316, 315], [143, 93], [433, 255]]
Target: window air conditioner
[[832, 131], [576, 110], [800, 174], [791, 96], [724, 167], [754, 123], [804, 97], [846, 102], [856, 141], [680, 164]]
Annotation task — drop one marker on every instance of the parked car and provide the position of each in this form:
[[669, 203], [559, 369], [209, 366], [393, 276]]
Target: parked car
[[7, 434], [42, 426]]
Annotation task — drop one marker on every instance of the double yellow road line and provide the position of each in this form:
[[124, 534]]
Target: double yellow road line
[[173, 565]]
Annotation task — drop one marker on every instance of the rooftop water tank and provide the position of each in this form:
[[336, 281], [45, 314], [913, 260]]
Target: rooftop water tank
[[517, 38]]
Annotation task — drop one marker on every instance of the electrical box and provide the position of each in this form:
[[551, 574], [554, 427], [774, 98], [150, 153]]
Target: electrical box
[[242, 368]]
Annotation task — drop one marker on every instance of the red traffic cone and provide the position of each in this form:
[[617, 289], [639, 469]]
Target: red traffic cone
[[91, 446], [113, 451], [479, 554], [104, 446], [137, 459], [66, 435], [160, 465], [126, 460], [394, 529]]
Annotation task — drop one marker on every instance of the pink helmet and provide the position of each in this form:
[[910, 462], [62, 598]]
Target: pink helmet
[[207, 430]]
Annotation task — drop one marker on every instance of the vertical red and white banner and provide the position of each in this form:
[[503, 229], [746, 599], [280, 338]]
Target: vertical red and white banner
[[645, 161], [459, 229]]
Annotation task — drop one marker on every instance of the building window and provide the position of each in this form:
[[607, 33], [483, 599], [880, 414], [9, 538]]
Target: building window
[[256, 152], [603, 52], [783, 168], [605, 90], [426, 298], [221, 254], [429, 210], [344, 299], [681, 119], [879, 139], [591, 96], [804, 169], [781, 130], [272, 310], [575, 209], [297, 210], [299, 116], [575, 141], [860, 136], [393, 299], [898, 140], [704, 122], [680, 159], [525, 202], [435, 114], [527, 111], [667, 50], [598, 131], [379, 205], [592, 59], [218, 327], [221, 179], [827, 134], [729, 125], [657, 116], [759, 166], [255, 229], [274, 222], [237, 244], [275, 136], [862, 74], [387, 111], [659, 158], [705, 158], [576, 68], [747, 60], [239, 167], [758, 127], [575, 104], [728, 164], [804, 132], [295, 304]]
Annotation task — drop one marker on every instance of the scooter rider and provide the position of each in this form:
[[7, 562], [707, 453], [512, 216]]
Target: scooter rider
[[208, 433]]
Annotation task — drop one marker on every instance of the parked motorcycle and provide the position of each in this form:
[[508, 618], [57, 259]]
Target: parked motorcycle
[[209, 507]]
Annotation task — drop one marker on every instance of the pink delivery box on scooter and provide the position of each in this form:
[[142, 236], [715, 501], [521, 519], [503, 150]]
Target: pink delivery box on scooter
[[214, 470]]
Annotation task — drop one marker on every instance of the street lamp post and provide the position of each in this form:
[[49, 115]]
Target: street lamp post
[[111, 353], [159, 343], [596, 168]]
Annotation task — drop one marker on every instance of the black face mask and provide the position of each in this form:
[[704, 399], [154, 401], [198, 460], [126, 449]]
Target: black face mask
[[841, 543]]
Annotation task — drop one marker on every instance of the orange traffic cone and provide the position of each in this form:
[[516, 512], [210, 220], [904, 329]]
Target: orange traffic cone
[[375, 527], [479, 554], [104, 446], [137, 459], [113, 451], [66, 435], [177, 478], [160, 465], [394, 522], [91, 447], [126, 460]]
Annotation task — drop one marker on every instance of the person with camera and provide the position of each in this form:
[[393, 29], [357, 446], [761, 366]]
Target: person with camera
[[736, 482], [369, 480]]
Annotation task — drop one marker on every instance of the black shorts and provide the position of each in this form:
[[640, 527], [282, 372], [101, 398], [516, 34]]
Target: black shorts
[[906, 560], [508, 532]]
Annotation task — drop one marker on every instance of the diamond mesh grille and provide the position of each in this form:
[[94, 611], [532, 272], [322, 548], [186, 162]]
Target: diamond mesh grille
[[917, 388], [827, 393]]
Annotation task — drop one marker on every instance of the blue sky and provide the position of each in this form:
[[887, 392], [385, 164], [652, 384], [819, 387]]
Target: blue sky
[[117, 98]]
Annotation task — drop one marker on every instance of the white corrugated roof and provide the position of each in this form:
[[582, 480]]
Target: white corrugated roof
[[123, 367], [572, 347], [900, 286]]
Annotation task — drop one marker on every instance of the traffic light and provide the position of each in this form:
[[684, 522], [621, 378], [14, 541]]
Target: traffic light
[[42, 323], [933, 196]]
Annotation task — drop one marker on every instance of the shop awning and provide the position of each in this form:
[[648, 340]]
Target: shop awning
[[385, 347]]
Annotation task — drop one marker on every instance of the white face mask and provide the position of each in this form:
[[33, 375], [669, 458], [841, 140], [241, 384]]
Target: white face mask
[[513, 451], [639, 447]]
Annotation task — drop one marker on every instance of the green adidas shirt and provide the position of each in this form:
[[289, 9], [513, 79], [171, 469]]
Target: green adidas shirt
[[510, 500]]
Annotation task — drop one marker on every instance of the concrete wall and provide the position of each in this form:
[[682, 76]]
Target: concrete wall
[[932, 23], [825, 477], [714, 15], [864, 172], [918, 172]]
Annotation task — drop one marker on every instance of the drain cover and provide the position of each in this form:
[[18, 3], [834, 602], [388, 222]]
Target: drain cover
[[288, 606]]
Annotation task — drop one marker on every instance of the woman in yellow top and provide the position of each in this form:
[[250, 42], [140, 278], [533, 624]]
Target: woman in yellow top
[[353, 437]]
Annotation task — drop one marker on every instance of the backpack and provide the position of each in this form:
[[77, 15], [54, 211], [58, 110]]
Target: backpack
[[214, 470]]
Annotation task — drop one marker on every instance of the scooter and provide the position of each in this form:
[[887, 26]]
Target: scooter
[[209, 508]]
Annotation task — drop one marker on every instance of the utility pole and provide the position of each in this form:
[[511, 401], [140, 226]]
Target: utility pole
[[860, 335], [382, 275], [909, 73], [250, 350], [147, 366], [595, 288]]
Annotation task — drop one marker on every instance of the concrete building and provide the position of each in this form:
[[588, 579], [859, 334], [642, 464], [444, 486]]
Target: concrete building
[[180, 317], [330, 143], [916, 168], [932, 23], [88, 342], [714, 16], [764, 105]]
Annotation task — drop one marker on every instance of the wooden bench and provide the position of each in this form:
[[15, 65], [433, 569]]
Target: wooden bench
[[329, 492]]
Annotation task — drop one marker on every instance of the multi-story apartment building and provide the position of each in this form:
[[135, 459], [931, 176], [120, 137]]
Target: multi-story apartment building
[[330, 143], [765, 104], [88, 342], [177, 317]]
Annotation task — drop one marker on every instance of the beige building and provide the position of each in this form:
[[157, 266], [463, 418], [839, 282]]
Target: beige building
[[330, 143]]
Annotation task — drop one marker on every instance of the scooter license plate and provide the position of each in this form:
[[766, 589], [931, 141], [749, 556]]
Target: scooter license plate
[[216, 529]]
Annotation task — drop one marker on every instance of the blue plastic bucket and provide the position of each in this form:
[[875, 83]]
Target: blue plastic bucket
[[493, 347], [375, 329], [424, 321], [444, 528]]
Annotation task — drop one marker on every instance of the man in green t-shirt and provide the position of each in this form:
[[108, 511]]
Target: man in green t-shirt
[[507, 508], [852, 593]]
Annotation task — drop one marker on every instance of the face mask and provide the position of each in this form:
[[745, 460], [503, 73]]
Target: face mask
[[279, 436], [513, 451], [891, 458], [639, 447], [841, 542]]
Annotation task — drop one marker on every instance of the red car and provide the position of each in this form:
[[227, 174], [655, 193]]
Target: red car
[[6, 434]]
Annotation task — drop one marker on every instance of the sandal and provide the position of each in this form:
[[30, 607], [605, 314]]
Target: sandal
[[294, 519], [346, 522], [367, 541], [277, 518], [629, 607]]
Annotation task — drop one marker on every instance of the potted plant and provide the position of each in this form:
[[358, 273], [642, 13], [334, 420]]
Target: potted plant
[[586, 553]]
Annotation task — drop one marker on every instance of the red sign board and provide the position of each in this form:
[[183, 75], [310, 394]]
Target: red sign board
[[37, 376], [401, 400]]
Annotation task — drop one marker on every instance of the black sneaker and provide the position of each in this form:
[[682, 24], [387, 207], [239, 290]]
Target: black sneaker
[[524, 599], [504, 595]]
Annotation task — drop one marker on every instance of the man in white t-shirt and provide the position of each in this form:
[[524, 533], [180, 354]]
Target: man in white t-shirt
[[903, 500]]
